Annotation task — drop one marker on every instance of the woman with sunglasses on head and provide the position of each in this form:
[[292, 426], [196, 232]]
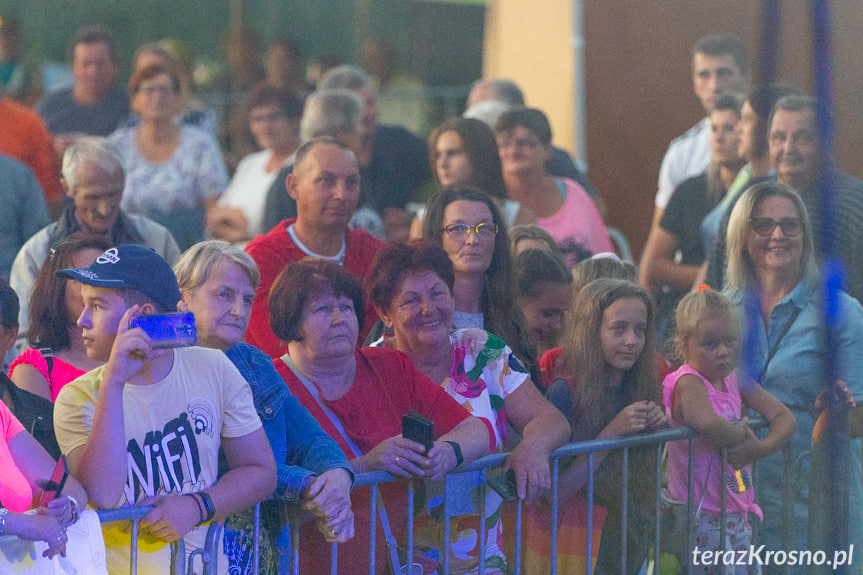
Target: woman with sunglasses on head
[[468, 225], [770, 255]]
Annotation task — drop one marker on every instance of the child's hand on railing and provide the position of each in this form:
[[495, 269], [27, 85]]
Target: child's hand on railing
[[747, 451], [656, 419], [172, 516], [632, 419]]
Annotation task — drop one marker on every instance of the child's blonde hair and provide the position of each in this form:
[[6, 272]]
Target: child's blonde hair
[[602, 267], [697, 307]]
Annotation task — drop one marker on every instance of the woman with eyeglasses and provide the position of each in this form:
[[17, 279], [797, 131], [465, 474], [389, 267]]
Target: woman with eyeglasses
[[770, 256], [561, 206], [174, 173], [467, 224], [274, 120]]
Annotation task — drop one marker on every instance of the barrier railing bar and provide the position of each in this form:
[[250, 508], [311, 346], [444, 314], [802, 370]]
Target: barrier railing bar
[[483, 539], [624, 510], [788, 500], [133, 568], [178, 555], [373, 530], [690, 490], [334, 559], [295, 540], [518, 536], [723, 496], [446, 528], [256, 544], [555, 482], [372, 479], [657, 504], [410, 528], [590, 512]]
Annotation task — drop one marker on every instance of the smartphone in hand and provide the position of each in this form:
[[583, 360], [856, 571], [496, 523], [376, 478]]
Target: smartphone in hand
[[56, 484], [419, 428], [168, 330], [505, 485]]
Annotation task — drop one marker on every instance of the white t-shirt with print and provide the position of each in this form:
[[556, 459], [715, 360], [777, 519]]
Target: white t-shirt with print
[[173, 430]]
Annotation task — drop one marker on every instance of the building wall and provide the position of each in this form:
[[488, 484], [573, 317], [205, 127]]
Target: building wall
[[638, 79], [530, 42]]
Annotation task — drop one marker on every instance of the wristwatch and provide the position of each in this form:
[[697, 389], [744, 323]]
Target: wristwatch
[[459, 458], [208, 505]]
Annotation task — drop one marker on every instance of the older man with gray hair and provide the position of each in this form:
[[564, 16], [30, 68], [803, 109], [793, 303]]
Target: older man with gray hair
[[93, 177], [336, 114]]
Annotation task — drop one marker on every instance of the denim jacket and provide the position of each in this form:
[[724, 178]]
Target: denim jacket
[[301, 448]]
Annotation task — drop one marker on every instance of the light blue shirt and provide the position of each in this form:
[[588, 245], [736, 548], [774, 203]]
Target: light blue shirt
[[794, 376]]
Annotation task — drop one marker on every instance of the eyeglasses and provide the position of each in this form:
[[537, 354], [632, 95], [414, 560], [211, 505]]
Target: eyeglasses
[[791, 227], [460, 231]]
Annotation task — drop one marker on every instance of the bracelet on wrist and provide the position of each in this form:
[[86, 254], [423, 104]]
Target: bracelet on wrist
[[3, 513], [207, 502], [74, 503], [194, 497], [459, 458]]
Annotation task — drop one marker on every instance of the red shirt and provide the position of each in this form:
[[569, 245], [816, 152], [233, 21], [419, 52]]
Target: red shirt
[[24, 136], [275, 250], [551, 367], [387, 386]]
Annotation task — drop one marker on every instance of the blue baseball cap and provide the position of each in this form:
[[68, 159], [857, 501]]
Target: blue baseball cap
[[131, 266]]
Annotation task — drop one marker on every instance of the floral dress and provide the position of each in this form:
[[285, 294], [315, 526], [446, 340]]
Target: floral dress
[[483, 373]]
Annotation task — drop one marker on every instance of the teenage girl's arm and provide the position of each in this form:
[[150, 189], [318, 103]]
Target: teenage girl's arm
[[691, 406], [782, 425], [633, 418], [28, 378]]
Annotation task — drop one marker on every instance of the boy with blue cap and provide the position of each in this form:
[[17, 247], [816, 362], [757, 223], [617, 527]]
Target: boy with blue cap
[[147, 426]]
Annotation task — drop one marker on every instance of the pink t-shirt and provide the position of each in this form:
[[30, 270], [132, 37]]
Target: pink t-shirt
[[726, 404], [15, 492], [61, 372], [577, 226]]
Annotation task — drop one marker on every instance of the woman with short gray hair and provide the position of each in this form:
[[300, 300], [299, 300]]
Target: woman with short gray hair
[[217, 282]]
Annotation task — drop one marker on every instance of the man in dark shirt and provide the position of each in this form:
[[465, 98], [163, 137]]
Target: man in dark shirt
[[394, 163], [794, 156], [93, 105]]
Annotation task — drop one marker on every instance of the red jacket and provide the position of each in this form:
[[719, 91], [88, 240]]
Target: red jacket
[[272, 252]]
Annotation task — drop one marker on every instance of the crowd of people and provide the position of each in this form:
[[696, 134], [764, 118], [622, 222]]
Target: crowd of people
[[327, 308]]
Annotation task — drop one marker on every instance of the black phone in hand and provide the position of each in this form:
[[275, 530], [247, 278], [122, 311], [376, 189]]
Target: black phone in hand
[[419, 428]]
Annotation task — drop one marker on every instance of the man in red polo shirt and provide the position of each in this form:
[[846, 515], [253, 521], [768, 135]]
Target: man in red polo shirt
[[326, 186]]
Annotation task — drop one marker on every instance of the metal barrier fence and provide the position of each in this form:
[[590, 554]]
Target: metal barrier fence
[[656, 440]]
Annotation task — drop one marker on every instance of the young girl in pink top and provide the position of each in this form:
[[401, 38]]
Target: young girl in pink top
[[705, 394]]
